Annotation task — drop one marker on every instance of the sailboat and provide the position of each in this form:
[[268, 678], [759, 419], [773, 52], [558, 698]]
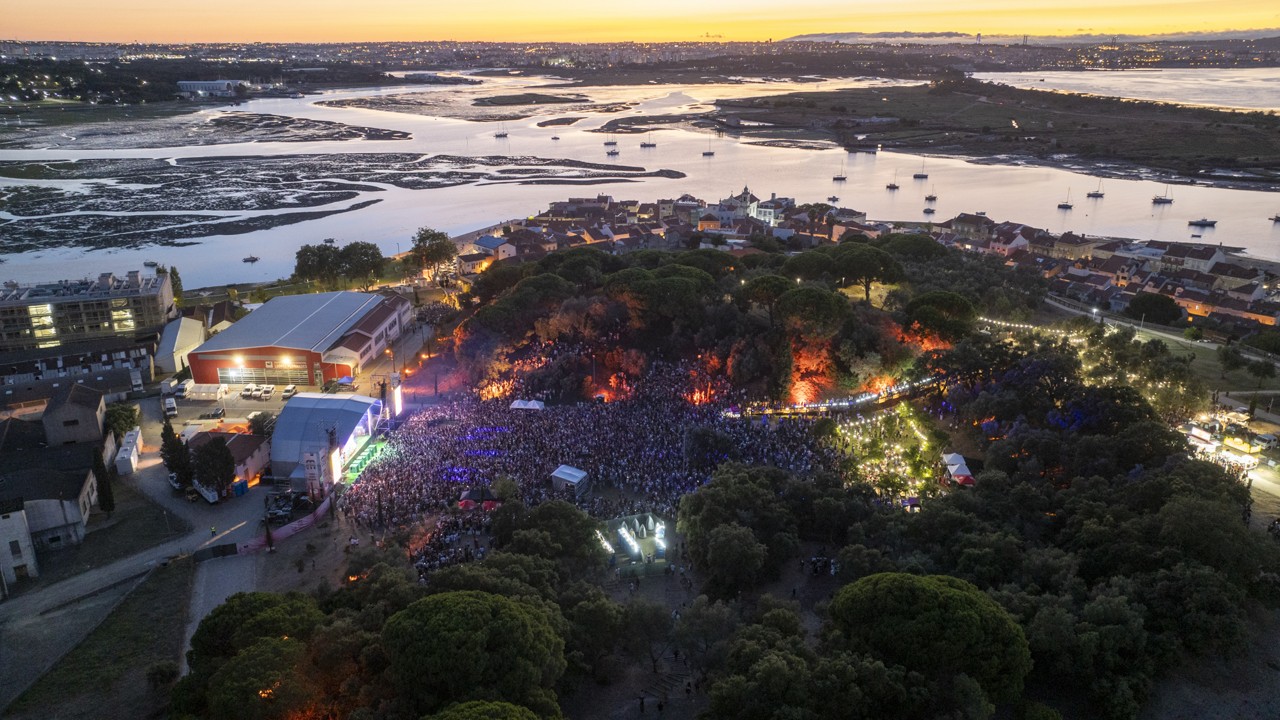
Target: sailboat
[[894, 184], [610, 142], [649, 143], [922, 175], [932, 196], [708, 152], [1162, 199], [502, 132], [1066, 204], [841, 177], [1096, 193]]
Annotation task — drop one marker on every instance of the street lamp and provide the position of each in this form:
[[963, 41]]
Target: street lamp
[[392, 353]]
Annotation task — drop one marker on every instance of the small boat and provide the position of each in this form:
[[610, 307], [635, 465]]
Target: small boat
[[981, 213], [929, 211], [833, 199], [252, 259], [1196, 235], [612, 152], [922, 175], [151, 264], [1162, 199], [1096, 194], [1275, 218], [931, 197], [1202, 223], [329, 241], [555, 137]]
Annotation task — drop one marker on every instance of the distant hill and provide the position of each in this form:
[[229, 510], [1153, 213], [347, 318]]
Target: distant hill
[[935, 38]]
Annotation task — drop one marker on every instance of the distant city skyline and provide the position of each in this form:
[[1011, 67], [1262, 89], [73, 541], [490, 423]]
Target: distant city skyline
[[577, 21]]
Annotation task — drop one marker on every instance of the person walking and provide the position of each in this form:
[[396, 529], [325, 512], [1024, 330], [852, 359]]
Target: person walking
[[213, 531]]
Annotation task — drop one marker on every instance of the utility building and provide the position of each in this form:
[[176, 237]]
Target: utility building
[[302, 339]]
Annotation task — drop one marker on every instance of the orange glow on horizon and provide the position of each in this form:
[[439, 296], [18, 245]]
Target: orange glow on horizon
[[572, 21]]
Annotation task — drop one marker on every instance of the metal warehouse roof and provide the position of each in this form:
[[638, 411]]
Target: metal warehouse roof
[[299, 322], [304, 423]]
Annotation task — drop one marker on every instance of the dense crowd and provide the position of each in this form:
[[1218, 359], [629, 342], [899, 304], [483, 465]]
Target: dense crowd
[[635, 445]]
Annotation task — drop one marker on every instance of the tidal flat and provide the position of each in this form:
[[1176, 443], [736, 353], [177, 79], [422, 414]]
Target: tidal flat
[[103, 203], [194, 129]]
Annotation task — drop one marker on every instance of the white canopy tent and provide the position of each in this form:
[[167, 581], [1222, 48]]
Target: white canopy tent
[[528, 405], [567, 476], [957, 468]]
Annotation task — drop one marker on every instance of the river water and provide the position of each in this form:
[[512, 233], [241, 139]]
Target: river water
[[1238, 88], [1004, 190]]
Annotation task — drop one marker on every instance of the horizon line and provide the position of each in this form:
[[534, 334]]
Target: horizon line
[[907, 35]]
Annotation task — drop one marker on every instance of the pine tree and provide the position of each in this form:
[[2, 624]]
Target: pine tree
[[102, 477], [174, 454]]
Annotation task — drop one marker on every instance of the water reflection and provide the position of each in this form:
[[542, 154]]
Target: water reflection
[[1005, 191]]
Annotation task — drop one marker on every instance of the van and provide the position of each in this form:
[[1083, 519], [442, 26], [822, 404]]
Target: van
[[183, 387], [289, 391], [247, 392], [170, 407], [1267, 441]]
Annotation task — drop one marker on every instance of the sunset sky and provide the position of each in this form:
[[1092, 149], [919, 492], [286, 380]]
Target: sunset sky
[[575, 20]]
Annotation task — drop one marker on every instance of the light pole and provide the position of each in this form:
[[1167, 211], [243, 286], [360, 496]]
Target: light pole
[[392, 353]]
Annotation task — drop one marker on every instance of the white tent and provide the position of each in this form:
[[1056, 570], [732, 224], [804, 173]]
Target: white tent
[[566, 476], [957, 468], [528, 405]]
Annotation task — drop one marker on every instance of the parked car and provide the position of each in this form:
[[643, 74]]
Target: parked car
[[289, 391], [256, 394], [247, 392], [268, 391], [214, 414]]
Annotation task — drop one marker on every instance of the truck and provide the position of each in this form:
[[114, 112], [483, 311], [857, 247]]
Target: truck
[[169, 387], [135, 380], [183, 388]]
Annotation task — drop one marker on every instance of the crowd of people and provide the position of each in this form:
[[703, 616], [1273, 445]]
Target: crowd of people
[[633, 450]]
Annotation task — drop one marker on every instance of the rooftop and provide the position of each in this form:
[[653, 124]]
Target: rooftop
[[106, 285], [299, 322]]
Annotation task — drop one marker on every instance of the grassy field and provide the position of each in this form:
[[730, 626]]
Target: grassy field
[[136, 524], [105, 675], [55, 113], [989, 119]]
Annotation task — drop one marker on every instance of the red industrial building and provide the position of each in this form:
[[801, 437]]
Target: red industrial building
[[303, 339]]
